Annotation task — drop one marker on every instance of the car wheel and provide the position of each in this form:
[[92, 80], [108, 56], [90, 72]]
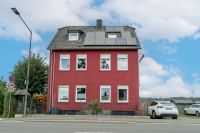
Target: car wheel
[[153, 115], [197, 113], [185, 112], [174, 117]]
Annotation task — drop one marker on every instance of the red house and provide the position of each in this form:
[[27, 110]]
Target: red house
[[94, 63]]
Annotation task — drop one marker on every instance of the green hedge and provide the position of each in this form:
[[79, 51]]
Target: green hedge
[[13, 105], [1, 101]]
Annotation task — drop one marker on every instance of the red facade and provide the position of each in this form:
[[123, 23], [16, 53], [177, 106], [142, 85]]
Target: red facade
[[93, 78]]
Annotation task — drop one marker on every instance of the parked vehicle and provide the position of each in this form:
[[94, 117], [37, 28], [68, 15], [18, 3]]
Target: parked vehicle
[[159, 109], [194, 109]]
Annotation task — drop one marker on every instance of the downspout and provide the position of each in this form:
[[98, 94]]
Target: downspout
[[52, 100], [50, 84]]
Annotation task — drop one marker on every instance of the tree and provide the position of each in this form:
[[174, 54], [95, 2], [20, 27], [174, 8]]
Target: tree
[[2, 94], [37, 75]]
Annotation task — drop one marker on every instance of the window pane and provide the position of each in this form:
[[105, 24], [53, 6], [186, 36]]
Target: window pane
[[63, 94], [123, 94], [73, 36], [81, 63], [105, 64], [112, 36], [81, 94], [123, 63], [105, 94], [65, 64]]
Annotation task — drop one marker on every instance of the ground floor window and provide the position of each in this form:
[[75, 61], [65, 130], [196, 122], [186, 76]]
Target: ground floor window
[[80, 93], [105, 93], [63, 93], [123, 93]]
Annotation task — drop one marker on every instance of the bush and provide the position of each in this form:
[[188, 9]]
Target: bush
[[13, 105], [94, 107], [1, 101]]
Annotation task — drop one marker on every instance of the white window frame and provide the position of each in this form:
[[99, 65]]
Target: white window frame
[[63, 86], [123, 87], [105, 86], [122, 56], [81, 56], [67, 57], [73, 38], [80, 86], [105, 56]]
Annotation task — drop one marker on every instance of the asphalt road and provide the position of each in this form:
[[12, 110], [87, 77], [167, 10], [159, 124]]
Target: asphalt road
[[149, 126]]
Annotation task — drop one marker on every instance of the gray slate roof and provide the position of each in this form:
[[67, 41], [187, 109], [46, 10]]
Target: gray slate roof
[[93, 38]]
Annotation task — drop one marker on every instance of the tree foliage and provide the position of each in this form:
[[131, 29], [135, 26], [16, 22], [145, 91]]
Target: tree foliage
[[2, 94], [37, 75], [13, 105]]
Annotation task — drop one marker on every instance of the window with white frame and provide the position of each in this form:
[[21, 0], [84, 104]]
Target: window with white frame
[[64, 62], [105, 62], [74, 36], [122, 62], [122, 93], [63, 93], [80, 93], [105, 93], [81, 62]]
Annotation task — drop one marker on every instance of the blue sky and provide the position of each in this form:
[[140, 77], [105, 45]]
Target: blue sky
[[169, 35]]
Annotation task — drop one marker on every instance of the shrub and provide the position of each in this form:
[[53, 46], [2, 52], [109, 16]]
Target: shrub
[[13, 105], [1, 100], [94, 107]]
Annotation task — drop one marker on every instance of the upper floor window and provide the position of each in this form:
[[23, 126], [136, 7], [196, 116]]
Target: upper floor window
[[74, 36], [105, 62], [64, 62], [81, 62], [63, 93], [122, 62]]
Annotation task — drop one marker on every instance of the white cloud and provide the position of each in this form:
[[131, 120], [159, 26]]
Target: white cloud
[[196, 35], [166, 49], [41, 50], [159, 81], [155, 19], [158, 19]]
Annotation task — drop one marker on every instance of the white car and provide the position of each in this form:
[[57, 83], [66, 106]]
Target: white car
[[159, 109], [194, 109]]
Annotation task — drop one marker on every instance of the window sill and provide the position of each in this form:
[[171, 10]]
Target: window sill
[[64, 69], [105, 101], [81, 101], [122, 102], [63, 101]]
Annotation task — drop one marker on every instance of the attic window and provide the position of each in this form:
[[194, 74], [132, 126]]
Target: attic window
[[73, 36], [113, 34]]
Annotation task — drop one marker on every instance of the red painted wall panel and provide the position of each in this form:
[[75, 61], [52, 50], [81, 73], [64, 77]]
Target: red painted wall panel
[[93, 77]]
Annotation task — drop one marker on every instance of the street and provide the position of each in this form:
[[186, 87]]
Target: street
[[140, 126]]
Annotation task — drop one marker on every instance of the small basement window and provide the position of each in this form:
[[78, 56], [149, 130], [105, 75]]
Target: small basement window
[[73, 36], [113, 34]]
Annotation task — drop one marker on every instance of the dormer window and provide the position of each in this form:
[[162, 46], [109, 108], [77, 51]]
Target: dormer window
[[113, 34], [73, 36]]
